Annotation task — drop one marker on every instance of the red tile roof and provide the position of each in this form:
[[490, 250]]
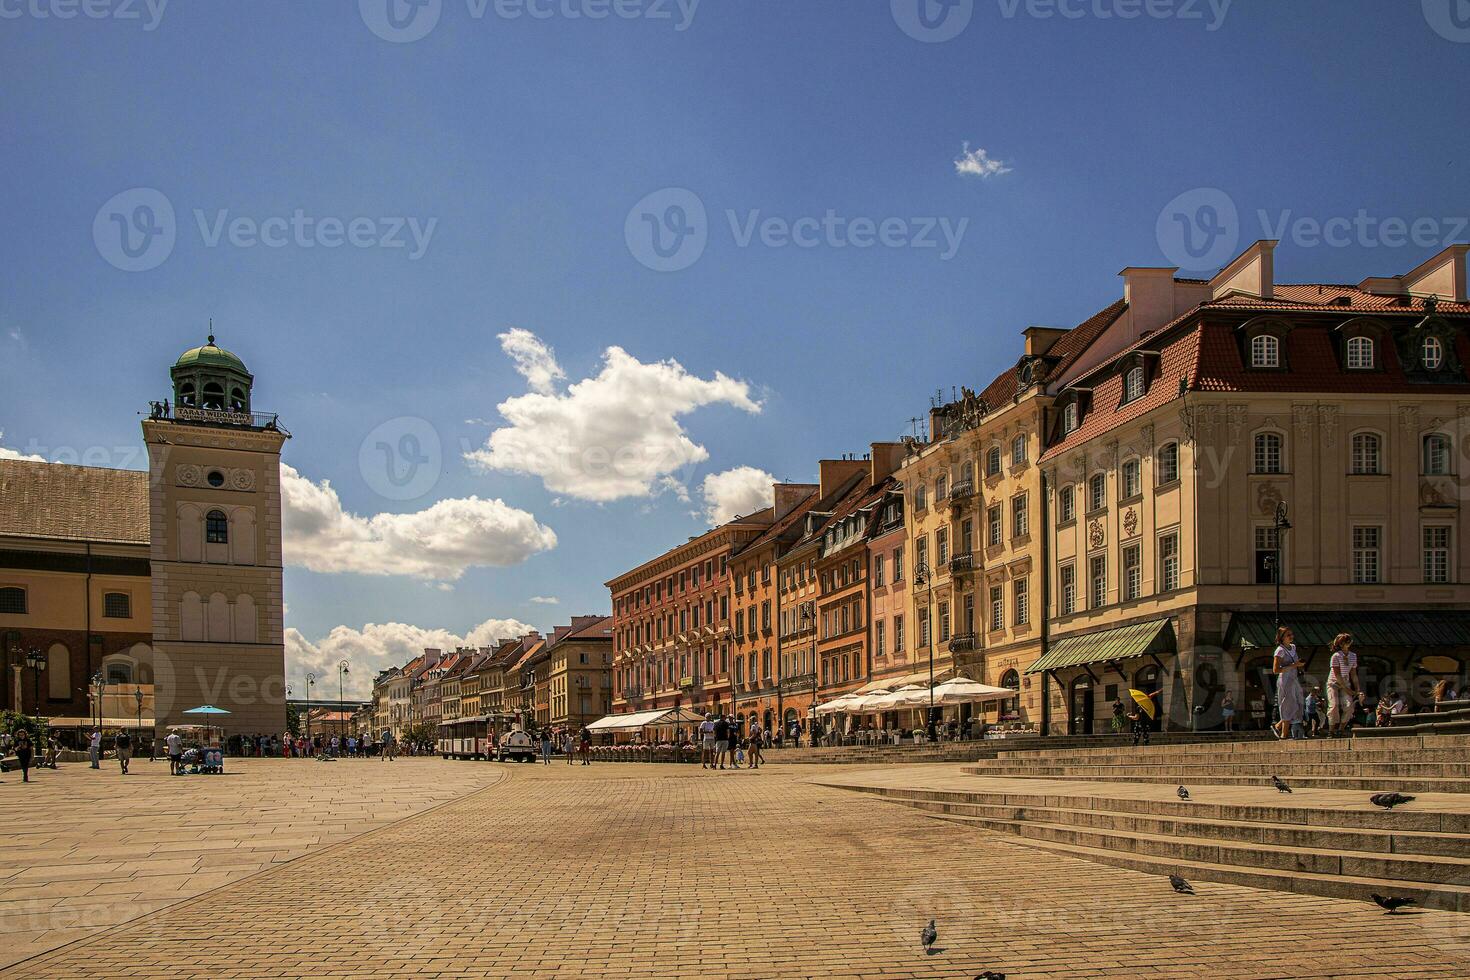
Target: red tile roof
[[1063, 353]]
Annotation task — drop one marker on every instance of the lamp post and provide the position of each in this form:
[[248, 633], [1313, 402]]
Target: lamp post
[[310, 680], [138, 697], [37, 662], [921, 579], [1281, 525], [341, 701], [99, 684]]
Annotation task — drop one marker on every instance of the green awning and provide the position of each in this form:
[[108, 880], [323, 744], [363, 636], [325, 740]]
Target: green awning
[[1136, 640], [1388, 628]]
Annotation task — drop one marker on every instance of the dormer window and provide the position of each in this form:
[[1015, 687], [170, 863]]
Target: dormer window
[[1431, 353], [1069, 418], [1265, 351], [1133, 383], [1362, 354]]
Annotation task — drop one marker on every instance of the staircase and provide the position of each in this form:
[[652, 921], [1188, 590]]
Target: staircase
[[985, 748], [1453, 718], [1325, 839]]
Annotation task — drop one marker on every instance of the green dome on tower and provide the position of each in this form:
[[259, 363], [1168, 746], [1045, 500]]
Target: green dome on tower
[[212, 379], [210, 355]]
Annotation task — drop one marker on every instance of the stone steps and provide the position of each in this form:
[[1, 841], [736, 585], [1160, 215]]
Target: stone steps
[[1343, 853], [1175, 775]]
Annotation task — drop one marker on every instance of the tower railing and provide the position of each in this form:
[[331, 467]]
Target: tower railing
[[164, 411]]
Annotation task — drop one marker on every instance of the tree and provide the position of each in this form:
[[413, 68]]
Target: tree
[[420, 733], [12, 722], [293, 720]]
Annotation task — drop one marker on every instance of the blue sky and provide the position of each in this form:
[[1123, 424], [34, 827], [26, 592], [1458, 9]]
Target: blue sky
[[519, 146]]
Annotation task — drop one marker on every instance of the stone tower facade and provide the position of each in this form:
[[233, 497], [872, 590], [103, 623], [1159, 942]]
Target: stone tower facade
[[215, 518]]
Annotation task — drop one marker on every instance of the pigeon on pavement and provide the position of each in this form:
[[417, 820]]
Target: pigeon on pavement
[[990, 975], [1180, 885], [1391, 903], [1183, 793], [1280, 784], [928, 936], [1389, 800]]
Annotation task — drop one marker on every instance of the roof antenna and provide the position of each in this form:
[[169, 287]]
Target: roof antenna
[[211, 331]]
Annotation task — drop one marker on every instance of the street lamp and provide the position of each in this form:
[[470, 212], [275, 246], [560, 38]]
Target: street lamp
[[310, 680], [138, 696], [921, 579], [341, 700], [1281, 526], [99, 683], [37, 662]]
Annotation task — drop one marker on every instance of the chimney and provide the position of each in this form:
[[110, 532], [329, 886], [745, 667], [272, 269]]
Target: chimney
[[1039, 340], [1149, 293], [1252, 272], [833, 473], [884, 461], [1443, 276], [788, 496]]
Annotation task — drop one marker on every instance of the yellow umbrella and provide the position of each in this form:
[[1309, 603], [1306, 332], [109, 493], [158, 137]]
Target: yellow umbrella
[[1145, 702]]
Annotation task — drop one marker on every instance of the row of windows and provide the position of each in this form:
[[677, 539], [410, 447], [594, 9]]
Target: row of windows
[[1130, 483], [1361, 353], [1130, 582], [1365, 455], [685, 580], [994, 460], [115, 605], [1367, 541]]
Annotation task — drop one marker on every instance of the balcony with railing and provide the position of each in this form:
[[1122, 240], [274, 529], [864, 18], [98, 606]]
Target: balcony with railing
[[962, 643], [961, 492], [962, 563], [262, 421]]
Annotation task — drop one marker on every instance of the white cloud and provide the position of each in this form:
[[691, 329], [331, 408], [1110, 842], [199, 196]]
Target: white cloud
[[15, 454], [544, 600], [977, 163], [606, 437], [376, 647], [740, 491], [440, 542]]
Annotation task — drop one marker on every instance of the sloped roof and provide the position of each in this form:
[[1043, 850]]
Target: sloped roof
[[73, 503], [597, 628]]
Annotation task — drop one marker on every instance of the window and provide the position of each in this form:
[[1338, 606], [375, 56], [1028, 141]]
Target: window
[[1066, 505], [1268, 453], [1167, 465], [1436, 554], [941, 488], [1169, 563], [898, 564], [1018, 450], [1267, 538], [997, 609], [1366, 545], [898, 634], [921, 497], [1431, 353], [877, 571], [1098, 586], [1133, 384], [215, 478], [993, 532], [1068, 577], [992, 461], [117, 605], [216, 528], [924, 631], [1022, 598], [943, 622], [879, 634], [921, 555], [214, 397], [1365, 455], [1436, 454], [1360, 354], [1020, 520], [1132, 572], [1069, 418], [13, 602], [1097, 492], [1265, 351], [941, 545], [1132, 479]]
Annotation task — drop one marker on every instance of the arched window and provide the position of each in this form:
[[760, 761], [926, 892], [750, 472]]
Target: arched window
[[1431, 353], [237, 400], [58, 672], [1012, 706], [1018, 450], [1265, 351], [1131, 484], [214, 397], [118, 670], [13, 601], [1437, 454], [1167, 469], [967, 471], [1133, 384], [186, 395], [1066, 504], [1097, 492], [1268, 453], [992, 461], [216, 528], [1360, 354], [1366, 453]]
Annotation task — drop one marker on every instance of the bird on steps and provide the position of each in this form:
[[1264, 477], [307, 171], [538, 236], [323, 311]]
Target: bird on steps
[[1280, 784], [1183, 793], [928, 936], [1391, 903], [1389, 800], [990, 975], [1180, 885]]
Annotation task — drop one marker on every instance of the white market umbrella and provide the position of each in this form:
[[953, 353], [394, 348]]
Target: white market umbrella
[[862, 703], [908, 696], [846, 702], [962, 690]]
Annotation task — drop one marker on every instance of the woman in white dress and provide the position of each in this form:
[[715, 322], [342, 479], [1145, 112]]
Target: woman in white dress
[[1287, 667]]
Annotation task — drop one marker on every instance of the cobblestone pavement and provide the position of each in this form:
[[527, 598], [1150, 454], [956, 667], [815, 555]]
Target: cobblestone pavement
[[663, 871], [83, 850]]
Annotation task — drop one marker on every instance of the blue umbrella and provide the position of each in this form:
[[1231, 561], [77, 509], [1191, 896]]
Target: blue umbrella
[[206, 709]]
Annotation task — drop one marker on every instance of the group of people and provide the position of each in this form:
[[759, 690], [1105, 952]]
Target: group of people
[[1300, 709], [578, 747], [721, 741]]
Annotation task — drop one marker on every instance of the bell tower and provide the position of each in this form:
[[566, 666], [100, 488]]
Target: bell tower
[[215, 517]]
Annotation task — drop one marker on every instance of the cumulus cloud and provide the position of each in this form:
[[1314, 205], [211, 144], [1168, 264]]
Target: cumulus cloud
[[607, 437], [742, 490], [16, 454], [544, 600], [438, 543], [977, 163], [376, 647]]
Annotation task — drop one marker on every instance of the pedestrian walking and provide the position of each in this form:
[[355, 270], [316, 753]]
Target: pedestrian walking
[[1343, 690], [546, 746], [585, 740], [175, 752], [124, 745], [94, 748], [707, 743], [1227, 711], [757, 738], [23, 753], [1288, 667], [722, 740], [566, 744], [1140, 725]]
